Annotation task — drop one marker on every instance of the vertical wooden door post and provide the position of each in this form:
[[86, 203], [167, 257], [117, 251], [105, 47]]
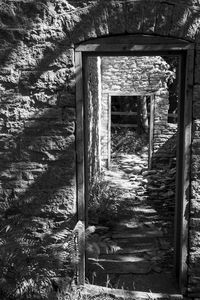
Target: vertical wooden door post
[[80, 165]]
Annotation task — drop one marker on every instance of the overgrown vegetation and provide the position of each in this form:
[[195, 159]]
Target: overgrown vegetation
[[21, 277], [127, 141], [104, 200], [103, 205]]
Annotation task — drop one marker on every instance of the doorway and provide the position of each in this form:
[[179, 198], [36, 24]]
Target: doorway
[[130, 115], [184, 55]]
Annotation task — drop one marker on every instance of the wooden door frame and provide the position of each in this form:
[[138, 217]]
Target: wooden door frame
[[143, 46]]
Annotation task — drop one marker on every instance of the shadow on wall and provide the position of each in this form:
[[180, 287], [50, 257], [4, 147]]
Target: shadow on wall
[[37, 210], [165, 155], [161, 184], [37, 169], [37, 131]]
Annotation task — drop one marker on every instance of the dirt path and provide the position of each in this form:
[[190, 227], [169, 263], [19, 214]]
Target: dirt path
[[143, 235]]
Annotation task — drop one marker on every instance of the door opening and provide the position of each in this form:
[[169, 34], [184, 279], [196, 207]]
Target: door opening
[[131, 116], [127, 208]]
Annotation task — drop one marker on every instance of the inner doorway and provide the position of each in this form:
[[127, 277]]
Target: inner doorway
[[180, 262], [131, 115]]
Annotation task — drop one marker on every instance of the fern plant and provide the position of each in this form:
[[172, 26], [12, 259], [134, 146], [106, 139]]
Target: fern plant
[[103, 204], [7, 9], [32, 266]]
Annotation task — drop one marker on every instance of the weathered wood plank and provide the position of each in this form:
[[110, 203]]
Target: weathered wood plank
[[183, 168], [132, 47], [80, 162], [151, 126], [136, 39], [109, 130], [134, 43], [186, 166]]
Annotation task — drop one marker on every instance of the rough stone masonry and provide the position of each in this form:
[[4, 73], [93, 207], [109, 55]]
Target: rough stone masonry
[[123, 75], [37, 124]]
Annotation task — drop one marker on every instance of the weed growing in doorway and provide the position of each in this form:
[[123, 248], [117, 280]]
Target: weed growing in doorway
[[102, 204]]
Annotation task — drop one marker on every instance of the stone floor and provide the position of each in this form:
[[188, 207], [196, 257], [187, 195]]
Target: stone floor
[[141, 258]]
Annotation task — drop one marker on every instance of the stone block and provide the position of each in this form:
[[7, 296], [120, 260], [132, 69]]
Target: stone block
[[49, 128], [116, 18], [195, 147], [195, 222], [180, 28], [66, 99], [196, 92], [149, 16], [51, 56], [8, 142], [134, 22], [101, 21], [44, 114], [164, 19], [43, 143], [48, 148], [58, 175], [196, 110], [41, 80], [19, 56], [194, 258], [196, 127], [195, 206], [83, 25], [195, 167]]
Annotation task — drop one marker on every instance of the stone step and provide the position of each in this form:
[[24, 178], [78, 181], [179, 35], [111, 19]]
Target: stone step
[[94, 290], [121, 258], [134, 249], [142, 235], [121, 267], [138, 249], [136, 241], [145, 210]]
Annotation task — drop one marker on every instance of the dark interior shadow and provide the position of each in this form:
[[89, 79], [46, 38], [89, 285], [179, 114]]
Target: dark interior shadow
[[36, 214]]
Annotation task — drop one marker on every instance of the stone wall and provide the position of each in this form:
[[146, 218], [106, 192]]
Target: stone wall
[[132, 75], [165, 134], [37, 164], [37, 88]]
